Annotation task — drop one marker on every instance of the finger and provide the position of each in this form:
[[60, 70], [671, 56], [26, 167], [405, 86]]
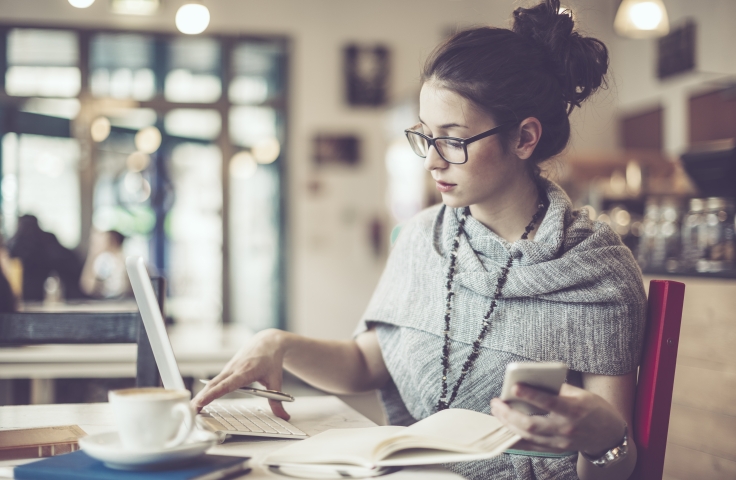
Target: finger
[[533, 424], [215, 391], [530, 446], [518, 423], [539, 398], [209, 386], [278, 409], [274, 383]]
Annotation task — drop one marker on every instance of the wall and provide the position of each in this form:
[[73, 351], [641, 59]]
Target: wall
[[634, 62], [331, 266]]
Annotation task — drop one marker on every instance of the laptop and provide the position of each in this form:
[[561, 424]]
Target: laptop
[[235, 418]]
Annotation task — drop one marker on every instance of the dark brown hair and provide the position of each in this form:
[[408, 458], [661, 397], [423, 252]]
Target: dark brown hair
[[539, 68]]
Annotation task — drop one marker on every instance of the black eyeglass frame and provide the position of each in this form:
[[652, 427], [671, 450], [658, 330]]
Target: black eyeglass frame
[[463, 141]]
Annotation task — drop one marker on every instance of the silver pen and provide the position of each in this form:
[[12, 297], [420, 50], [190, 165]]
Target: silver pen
[[260, 392]]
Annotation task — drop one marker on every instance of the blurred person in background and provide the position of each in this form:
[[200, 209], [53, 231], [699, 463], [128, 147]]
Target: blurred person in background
[[104, 275], [503, 271], [42, 257]]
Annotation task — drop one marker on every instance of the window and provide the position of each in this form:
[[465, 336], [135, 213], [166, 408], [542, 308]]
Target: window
[[194, 70], [169, 201], [121, 66], [40, 178], [42, 63]]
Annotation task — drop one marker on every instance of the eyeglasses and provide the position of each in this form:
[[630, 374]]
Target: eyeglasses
[[451, 149]]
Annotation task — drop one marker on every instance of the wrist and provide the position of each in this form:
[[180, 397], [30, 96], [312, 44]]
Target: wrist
[[615, 438], [612, 456], [275, 340]]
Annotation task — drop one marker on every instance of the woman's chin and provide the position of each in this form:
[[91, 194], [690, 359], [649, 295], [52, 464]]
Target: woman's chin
[[453, 201]]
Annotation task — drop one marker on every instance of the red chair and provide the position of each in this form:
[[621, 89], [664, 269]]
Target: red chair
[[656, 378]]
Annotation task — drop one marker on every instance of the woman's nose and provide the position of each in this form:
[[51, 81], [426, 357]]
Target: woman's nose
[[433, 160]]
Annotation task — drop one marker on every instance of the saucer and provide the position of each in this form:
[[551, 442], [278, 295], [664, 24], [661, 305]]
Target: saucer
[[107, 448]]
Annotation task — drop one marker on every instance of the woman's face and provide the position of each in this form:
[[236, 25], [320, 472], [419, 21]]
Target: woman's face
[[489, 174]]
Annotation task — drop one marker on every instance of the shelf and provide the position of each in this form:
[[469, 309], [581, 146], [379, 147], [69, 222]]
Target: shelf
[[665, 273]]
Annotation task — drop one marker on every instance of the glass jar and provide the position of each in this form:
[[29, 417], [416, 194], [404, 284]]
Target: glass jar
[[649, 229], [693, 235], [667, 242], [718, 236]]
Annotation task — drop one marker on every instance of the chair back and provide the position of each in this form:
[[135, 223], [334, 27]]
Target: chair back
[[656, 377]]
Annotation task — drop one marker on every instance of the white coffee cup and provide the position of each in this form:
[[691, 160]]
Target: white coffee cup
[[152, 418]]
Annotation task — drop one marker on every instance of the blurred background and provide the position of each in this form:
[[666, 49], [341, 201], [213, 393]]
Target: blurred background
[[253, 153]]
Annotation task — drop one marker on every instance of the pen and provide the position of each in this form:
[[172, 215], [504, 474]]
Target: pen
[[259, 392]]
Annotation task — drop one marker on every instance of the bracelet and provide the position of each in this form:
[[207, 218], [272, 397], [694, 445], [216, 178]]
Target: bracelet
[[612, 456]]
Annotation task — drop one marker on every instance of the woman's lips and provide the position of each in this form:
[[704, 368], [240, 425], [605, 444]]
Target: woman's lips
[[444, 187]]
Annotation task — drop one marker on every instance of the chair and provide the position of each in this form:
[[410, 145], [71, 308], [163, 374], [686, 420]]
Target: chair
[[656, 377], [36, 328]]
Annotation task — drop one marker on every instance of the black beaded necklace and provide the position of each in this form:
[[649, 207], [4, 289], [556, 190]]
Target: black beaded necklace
[[444, 403]]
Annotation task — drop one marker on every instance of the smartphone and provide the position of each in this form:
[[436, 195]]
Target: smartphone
[[548, 376]]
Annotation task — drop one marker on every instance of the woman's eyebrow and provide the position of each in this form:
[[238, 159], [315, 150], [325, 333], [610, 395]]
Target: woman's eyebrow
[[445, 126]]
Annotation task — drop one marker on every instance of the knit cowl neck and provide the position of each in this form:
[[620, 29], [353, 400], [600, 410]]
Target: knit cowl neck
[[574, 292], [570, 259]]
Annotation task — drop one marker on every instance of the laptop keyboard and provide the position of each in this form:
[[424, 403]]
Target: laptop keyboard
[[242, 419]]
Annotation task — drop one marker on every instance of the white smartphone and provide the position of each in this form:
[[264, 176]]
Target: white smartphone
[[547, 376]]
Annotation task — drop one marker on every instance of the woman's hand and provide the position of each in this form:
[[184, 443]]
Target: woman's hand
[[578, 421], [260, 360]]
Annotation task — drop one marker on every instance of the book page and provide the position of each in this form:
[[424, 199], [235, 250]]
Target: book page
[[503, 440], [349, 446], [454, 430]]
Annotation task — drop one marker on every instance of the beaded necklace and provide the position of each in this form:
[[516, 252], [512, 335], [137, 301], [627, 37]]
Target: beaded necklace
[[444, 403]]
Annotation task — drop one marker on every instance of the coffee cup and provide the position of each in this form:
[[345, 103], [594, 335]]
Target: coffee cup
[[152, 418]]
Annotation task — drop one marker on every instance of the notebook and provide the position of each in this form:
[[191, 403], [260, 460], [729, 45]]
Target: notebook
[[39, 442], [453, 435], [80, 466]]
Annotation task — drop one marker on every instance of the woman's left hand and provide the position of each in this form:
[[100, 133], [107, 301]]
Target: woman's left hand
[[578, 421]]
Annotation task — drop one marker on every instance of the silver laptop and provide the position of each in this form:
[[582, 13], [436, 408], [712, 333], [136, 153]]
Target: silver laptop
[[236, 418]]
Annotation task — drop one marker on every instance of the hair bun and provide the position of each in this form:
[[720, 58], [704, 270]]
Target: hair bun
[[580, 63]]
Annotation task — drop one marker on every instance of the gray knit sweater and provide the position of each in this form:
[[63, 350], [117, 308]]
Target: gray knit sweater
[[573, 294]]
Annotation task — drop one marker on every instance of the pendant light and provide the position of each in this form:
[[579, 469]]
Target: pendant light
[[642, 19], [192, 18], [81, 3]]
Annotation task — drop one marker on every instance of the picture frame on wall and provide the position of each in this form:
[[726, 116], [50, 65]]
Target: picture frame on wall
[[336, 150], [367, 70]]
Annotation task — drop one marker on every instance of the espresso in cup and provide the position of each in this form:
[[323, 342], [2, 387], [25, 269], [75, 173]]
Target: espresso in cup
[[152, 418]]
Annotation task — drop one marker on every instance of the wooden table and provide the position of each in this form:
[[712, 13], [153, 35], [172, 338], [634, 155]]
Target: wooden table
[[311, 414]]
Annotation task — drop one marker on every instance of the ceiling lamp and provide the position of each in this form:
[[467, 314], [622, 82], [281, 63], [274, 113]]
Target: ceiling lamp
[[81, 3], [134, 7], [192, 18], [642, 19]]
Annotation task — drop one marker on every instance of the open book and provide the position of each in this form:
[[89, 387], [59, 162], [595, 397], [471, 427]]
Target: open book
[[453, 435]]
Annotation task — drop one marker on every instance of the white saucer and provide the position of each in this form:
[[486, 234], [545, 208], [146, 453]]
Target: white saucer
[[107, 448]]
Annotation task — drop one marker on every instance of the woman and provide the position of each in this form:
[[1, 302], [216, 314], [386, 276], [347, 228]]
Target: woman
[[503, 271]]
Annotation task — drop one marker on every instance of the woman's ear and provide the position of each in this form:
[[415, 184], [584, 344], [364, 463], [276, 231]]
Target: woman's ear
[[530, 131]]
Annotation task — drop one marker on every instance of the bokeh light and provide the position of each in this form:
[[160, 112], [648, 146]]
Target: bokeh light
[[192, 18], [243, 166]]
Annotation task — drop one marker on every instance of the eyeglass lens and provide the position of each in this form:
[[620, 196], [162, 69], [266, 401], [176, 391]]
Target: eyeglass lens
[[450, 150]]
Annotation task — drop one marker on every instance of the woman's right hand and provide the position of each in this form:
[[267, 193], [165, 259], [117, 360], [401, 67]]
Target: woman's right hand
[[260, 360]]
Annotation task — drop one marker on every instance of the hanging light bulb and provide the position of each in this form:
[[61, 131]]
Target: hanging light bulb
[[192, 18], [81, 3], [642, 19]]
